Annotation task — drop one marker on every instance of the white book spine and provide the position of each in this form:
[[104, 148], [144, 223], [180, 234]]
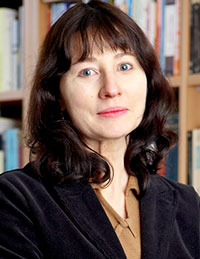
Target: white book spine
[[14, 54], [8, 17], [196, 159]]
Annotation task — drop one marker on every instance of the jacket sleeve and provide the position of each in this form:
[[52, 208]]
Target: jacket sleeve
[[17, 235]]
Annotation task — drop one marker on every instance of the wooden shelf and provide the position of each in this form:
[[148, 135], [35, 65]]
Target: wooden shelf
[[194, 80], [52, 1], [11, 96], [174, 81]]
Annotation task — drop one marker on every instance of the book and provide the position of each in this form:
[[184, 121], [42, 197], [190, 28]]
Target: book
[[195, 37], [178, 13], [130, 4], [171, 160], [170, 33], [122, 4], [12, 143], [57, 9], [14, 53], [144, 14], [151, 20], [7, 123], [194, 159], [7, 16], [21, 47], [1, 155], [158, 24]]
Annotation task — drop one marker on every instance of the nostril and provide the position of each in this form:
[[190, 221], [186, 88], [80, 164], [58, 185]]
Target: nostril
[[110, 91]]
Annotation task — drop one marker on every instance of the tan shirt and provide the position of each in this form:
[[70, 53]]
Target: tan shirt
[[127, 230]]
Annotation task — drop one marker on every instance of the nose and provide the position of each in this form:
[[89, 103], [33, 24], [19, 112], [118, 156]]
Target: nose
[[110, 87]]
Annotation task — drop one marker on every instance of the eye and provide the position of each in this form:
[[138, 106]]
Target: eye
[[125, 67], [87, 72]]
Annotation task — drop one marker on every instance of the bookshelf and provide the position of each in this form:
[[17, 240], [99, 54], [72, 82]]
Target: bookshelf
[[187, 85], [11, 96]]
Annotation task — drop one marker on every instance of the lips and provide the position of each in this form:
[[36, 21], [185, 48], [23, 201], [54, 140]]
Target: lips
[[113, 112]]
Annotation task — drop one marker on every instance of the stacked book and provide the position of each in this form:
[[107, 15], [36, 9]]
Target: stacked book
[[11, 48], [10, 144]]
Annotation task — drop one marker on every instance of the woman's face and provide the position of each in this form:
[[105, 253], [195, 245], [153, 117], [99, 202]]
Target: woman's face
[[105, 95]]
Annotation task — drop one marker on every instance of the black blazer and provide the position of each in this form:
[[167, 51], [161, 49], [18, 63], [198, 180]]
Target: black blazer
[[67, 221]]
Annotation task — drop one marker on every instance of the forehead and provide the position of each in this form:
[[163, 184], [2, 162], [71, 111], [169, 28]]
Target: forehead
[[84, 46]]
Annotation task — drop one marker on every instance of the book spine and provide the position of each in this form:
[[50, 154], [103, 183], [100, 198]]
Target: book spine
[[56, 10], [170, 31], [11, 149], [151, 20], [21, 48], [189, 165], [162, 34], [171, 163], [130, 4], [158, 28], [194, 38], [7, 17], [14, 54], [143, 16], [196, 159], [1, 48], [171, 169], [122, 4], [178, 13], [1, 155]]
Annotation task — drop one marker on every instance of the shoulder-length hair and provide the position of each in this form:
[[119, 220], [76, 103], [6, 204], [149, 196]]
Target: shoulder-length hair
[[60, 153]]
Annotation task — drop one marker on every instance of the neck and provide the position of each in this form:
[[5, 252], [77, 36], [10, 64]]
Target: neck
[[114, 152]]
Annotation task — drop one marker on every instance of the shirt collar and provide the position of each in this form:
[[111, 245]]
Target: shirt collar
[[132, 185]]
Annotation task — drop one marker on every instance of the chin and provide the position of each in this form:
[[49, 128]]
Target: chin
[[114, 135]]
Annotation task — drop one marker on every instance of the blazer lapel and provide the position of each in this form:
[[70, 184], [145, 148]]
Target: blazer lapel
[[81, 203], [158, 211]]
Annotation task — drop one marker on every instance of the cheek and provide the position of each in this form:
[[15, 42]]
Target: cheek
[[139, 92], [78, 107]]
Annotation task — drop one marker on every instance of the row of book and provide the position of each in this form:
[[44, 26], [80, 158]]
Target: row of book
[[10, 144], [169, 165], [11, 48], [160, 20], [11, 151]]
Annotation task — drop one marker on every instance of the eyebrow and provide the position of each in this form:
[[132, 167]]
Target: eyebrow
[[92, 59]]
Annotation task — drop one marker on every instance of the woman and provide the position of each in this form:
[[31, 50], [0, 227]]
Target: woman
[[97, 135]]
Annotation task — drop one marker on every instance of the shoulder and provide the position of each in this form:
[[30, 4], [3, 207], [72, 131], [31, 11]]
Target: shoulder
[[26, 175], [20, 184], [186, 195], [165, 184]]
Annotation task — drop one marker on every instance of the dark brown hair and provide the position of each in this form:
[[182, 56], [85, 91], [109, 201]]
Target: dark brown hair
[[60, 153]]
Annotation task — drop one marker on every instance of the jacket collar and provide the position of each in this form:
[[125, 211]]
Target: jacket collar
[[158, 212], [157, 209], [81, 202]]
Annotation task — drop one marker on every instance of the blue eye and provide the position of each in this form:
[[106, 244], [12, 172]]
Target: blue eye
[[86, 72], [124, 67]]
